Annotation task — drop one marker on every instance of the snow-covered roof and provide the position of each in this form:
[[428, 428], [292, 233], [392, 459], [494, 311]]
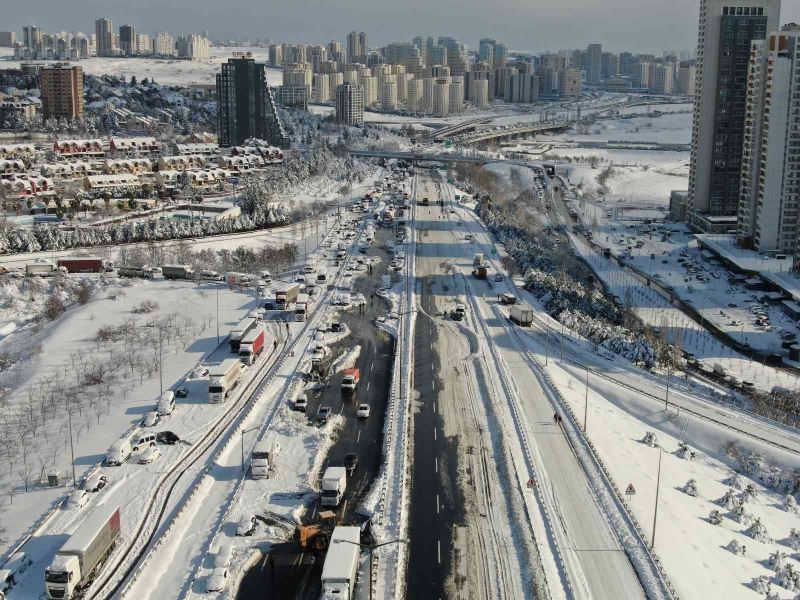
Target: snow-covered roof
[[133, 143]]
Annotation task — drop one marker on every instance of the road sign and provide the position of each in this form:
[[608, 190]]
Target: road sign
[[630, 491], [531, 482], [494, 250]]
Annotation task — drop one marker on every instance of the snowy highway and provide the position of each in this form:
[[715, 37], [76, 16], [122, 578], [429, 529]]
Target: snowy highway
[[590, 561]]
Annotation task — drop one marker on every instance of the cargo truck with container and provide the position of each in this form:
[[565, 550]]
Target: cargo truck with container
[[286, 297], [240, 331], [234, 278], [222, 378], [78, 560], [334, 484], [177, 272], [301, 307], [263, 457], [252, 344], [521, 314], [341, 564], [143, 272], [81, 264], [350, 380], [41, 268]]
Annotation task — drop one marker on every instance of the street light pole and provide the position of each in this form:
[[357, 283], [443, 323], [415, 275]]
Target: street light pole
[[562, 342], [217, 313], [586, 401], [242, 439], [669, 374], [71, 446], [655, 510]]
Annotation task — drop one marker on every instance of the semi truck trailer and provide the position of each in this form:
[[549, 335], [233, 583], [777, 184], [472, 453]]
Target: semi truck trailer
[[252, 344], [81, 556], [177, 272], [81, 264], [222, 379], [341, 564], [521, 314], [287, 296], [238, 333]]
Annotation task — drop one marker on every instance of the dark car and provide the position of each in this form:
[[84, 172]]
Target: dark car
[[350, 462], [167, 437], [181, 393]]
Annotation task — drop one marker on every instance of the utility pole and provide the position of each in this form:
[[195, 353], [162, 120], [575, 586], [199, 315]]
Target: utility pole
[[586, 401], [217, 313], [669, 374], [71, 447], [562, 342], [655, 509]]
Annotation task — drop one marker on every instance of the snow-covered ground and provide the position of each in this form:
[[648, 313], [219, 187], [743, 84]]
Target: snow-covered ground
[[163, 71]]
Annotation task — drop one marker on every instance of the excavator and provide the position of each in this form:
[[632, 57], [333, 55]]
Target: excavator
[[315, 537]]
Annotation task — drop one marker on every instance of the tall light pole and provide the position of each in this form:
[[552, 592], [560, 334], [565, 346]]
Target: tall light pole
[[655, 509], [242, 439], [217, 313], [669, 375], [586, 401], [371, 548], [71, 447], [562, 342]]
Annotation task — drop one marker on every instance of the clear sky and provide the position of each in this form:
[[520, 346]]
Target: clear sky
[[636, 25]]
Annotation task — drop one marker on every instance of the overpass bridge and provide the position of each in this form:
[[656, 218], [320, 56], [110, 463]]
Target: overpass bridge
[[451, 130], [417, 157], [511, 132]]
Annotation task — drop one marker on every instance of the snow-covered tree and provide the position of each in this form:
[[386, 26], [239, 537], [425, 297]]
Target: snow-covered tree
[[715, 517], [777, 560], [794, 539], [788, 578], [735, 481], [729, 500], [690, 488], [741, 516], [651, 439], [761, 584], [759, 532], [790, 504], [750, 494], [737, 548], [685, 452]]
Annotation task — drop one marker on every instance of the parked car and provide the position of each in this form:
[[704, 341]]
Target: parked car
[[350, 462], [363, 411], [148, 455], [77, 500], [246, 525], [223, 556], [167, 437], [301, 403], [94, 483], [151, 419], [218, 580], [323, 414], [181, 392], [498, 277]]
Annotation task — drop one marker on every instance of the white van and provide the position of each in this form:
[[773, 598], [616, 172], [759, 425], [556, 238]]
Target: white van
[[119, 452], [166, 404], [142, 440]]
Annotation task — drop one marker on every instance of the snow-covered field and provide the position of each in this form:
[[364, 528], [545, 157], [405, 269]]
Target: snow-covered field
[[163, 71]]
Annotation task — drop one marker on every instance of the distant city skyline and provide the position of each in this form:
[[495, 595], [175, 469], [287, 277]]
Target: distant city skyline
[[523, 26]]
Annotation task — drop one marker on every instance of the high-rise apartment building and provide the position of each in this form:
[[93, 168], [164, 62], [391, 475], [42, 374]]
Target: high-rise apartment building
[[569, 83], [594, 63], [193, 46], [770, 181], [62, 92], [486, 51], [104, 32], [609, 65], [414, 95], [357, 49], [245, 105], [389, 95], [163, 44], [725, 33], [33, 40], [8, 39], [684, 80], [350, 104], [127, 40], [500, 55], [275, 55], [440, 102], [403, 53], [663, 78], [437, 55], [455, 102], [479, 95], [626, 62]]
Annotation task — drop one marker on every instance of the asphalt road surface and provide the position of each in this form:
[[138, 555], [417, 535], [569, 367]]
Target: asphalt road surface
[[284, 572]]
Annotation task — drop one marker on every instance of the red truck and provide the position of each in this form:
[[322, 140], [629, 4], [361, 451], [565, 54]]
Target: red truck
[[252, 344], [350, 380], [81, 264]]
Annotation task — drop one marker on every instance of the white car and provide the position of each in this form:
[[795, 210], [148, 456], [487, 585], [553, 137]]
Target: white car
[[94, 483], [223, 556], [150, 454], [218, 580], [246, 525], [151, 419], [77, 500], [363, 411]]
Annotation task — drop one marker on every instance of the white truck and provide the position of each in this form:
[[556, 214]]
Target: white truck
[[302, 307], [521, 314], [334, 483], [341, 564], [263, 457], [41, 268], [79, 559], [222, 378]]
